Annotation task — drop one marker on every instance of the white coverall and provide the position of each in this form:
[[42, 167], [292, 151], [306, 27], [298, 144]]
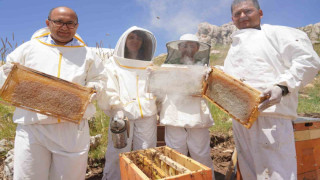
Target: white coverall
[[187, 120], [45, 148], [263, 58], [129, 79]]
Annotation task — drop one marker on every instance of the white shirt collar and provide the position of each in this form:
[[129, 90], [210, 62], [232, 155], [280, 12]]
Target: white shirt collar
[[48, 39]]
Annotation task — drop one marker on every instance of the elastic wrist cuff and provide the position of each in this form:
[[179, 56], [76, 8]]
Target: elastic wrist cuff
[[284, 89]]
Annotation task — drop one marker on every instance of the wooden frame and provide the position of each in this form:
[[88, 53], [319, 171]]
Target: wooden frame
[[229, 93], [42, 93]]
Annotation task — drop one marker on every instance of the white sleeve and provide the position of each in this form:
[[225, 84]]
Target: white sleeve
[[18, 56], [110, 102], [302, 61]]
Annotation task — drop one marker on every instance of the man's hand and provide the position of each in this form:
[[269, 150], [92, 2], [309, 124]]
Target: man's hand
[[7, 68], [275, 95]]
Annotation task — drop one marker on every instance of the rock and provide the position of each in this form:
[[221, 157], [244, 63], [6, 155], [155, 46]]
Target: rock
[[213, 34], [304, 96], [214, 52], [5, 145], [8, 165], [95, 141], [313, 31], [309, 86]]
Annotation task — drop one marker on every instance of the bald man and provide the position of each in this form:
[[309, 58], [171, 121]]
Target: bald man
[[47, 147]]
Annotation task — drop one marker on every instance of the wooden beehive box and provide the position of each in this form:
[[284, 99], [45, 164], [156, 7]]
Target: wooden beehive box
[[307, 141], [161, 163]]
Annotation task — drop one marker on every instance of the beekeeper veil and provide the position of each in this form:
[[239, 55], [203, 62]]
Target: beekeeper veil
[[188, 50], [147, 49]]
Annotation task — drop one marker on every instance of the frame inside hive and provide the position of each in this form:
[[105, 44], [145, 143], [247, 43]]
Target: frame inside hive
[[233, 96], [42, 93], [161, 163]]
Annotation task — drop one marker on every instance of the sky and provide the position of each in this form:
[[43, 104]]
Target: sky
[[103, 21]]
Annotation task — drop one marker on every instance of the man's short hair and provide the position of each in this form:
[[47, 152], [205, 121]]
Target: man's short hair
[[235, 2], [50, 12]]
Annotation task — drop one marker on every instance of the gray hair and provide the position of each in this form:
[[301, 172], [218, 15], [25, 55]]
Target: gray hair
[[236, 2]]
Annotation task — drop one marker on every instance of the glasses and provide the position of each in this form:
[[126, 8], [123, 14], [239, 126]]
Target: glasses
[[247, 12], [70, 25]]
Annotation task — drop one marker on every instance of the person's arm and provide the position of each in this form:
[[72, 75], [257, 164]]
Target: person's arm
[[114, 103], [17, 56], [108, 96], [302, 61]]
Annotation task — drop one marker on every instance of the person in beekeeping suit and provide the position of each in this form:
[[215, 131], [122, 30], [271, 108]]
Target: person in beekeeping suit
[[187, 118], [47, 147], [132, 55], [278, 61]]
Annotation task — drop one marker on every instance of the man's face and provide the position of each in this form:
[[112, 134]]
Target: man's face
[[188, 48], [246, 15], [62, 34]]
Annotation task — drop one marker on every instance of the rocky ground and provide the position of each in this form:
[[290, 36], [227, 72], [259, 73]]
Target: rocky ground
[[1, 167]]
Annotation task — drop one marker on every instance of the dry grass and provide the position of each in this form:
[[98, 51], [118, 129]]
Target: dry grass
[[7, 47], [102, 52]]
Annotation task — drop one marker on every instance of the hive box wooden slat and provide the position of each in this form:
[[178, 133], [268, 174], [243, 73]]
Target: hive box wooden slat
[[130, 171], [42, 93], [307, 141]]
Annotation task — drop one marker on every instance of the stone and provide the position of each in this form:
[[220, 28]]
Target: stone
[[95, 141], [215, 35], [5, 146], [8, 165]]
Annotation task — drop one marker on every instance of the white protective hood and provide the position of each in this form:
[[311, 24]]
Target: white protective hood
[[149, 44], [128, 78]]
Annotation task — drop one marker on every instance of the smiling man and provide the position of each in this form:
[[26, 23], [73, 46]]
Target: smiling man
[[63, 24], [278, 61], [47, 147]]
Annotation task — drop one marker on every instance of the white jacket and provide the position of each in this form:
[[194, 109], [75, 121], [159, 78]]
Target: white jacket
[[126, 85], [273, 55], [185, 110], [72, 63]]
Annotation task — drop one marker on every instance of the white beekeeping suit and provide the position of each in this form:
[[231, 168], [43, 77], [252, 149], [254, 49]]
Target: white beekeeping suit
[[263, 58], [186, 117], [129, 79], [52, 145]]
